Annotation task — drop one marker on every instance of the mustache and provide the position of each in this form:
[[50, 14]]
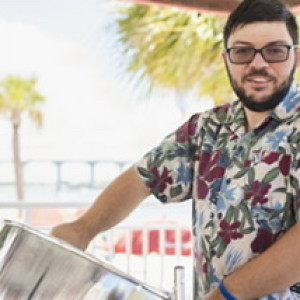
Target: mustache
[[261, 72]]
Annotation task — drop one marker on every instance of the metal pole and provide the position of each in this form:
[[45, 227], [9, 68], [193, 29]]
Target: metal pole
[[179, 284]]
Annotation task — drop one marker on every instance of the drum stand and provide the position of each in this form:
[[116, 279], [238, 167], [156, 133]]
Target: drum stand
[[179, 286]]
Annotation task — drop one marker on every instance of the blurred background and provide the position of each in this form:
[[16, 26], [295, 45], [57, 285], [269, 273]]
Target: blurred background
[[86, 88], [96, 120]]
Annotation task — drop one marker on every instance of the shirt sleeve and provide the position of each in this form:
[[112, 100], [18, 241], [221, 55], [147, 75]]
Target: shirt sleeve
[[293, 191], [295, 185], [168, 168]]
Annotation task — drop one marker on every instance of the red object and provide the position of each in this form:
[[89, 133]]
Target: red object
[[154, 237], [216, 7]]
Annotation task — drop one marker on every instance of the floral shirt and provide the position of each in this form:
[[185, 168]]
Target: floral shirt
[[244, 185]]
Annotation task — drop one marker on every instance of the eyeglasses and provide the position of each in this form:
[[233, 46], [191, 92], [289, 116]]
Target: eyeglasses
[[270, 53]]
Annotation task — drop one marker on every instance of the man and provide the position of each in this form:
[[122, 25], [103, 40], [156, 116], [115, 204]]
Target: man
[[240, 163]]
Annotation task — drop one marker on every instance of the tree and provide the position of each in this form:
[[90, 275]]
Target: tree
[[19, 96], [175, 49]]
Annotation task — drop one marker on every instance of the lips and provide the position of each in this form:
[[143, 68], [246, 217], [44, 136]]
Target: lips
[[259, 80], [259, 77]]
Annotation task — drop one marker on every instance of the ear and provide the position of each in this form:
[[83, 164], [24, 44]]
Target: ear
[[224, 55]]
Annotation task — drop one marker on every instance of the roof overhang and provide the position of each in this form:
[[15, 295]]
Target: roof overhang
[[220, 7]]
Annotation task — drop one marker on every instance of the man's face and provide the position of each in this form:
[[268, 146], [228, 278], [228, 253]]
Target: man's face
[[261, 85]]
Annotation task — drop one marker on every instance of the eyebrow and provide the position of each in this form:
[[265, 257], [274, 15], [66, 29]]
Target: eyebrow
[[278, 42]]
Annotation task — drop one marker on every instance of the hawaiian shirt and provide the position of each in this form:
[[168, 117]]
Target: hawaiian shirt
[[244, 185]]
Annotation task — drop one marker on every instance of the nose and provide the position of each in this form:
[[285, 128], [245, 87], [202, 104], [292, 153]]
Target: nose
[[258, 61]]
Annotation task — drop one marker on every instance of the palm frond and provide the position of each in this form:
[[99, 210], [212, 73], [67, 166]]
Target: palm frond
[[19, 95], [174, 49]]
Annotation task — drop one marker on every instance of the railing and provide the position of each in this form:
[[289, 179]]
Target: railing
[[90, 173], [50, 206]]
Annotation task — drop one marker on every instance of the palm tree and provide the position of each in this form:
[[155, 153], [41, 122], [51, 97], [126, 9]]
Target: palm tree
[[175, 49], [19, 96]]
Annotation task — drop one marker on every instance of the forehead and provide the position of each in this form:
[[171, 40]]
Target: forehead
[[260, 34]]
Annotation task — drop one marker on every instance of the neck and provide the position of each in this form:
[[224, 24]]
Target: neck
[[254, 119]]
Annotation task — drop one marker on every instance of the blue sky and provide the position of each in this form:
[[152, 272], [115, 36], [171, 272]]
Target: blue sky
[[75, 19], [87, 22], [91, 111]]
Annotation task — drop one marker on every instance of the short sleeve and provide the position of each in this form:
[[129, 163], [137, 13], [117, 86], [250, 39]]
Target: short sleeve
[[295, 185], [168, 168]]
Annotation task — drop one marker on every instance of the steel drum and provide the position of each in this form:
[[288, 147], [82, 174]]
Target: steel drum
[[34, 265]]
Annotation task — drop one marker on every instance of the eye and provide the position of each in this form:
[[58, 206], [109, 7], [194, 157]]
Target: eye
[[276, 50], [242, 51]]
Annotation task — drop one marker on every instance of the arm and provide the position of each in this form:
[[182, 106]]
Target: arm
[[116, 202], [274, 270]]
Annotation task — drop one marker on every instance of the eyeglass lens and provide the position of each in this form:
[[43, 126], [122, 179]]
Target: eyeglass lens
[[274, 53]]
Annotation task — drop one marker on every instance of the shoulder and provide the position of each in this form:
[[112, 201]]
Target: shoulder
[[219, 114], [199, 121]]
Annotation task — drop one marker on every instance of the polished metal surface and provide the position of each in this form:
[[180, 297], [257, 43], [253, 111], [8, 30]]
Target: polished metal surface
[[34, 265], [179, 283]]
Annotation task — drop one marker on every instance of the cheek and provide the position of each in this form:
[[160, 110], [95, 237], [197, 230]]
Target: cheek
[[236, 72], [282, 72]]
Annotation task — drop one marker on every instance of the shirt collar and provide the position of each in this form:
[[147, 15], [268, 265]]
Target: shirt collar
[[290, 104], [286, 109], [236, 118]]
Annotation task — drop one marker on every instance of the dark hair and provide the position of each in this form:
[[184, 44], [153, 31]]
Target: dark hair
[[250, 11]]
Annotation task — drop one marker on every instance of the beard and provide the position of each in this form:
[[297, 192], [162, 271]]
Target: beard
[[267, 102]]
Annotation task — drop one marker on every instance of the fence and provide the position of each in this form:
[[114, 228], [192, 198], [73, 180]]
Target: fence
[[150, 263], [64, 173]]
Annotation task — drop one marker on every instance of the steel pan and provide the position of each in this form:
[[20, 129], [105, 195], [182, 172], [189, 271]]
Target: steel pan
[[34, 265]]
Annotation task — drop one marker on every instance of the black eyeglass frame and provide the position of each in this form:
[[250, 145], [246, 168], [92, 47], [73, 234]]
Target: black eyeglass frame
[[289, 47]]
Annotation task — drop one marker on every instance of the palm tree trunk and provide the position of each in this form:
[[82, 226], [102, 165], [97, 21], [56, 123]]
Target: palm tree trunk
[[16, 120]]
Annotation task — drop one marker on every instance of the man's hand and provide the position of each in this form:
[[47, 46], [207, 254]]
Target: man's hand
[[72, 233], [114, 204], [215, 295]]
